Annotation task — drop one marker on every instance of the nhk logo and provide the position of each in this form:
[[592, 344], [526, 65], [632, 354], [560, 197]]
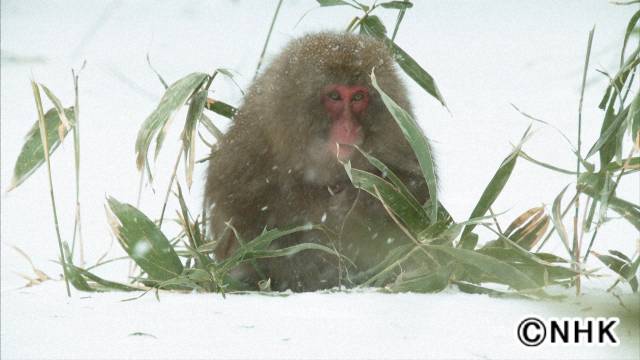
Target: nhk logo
[[533, 331]]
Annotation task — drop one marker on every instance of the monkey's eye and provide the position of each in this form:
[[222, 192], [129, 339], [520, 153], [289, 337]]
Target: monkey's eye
[[334, 95], [357, 97]]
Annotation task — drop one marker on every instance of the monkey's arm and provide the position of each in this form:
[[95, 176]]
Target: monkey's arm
[[234, 188]]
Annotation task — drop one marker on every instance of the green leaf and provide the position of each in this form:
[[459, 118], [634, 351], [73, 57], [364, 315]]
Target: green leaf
[[443, 214], [418, 142], [31, 155], [441, 232], [226, 72], [625, 269], [470, 288], [189, 133], [395, 180], [104, 284], [291, 250], [325, 3], [198, 275], [605, 194], [620, 255], [221, 108], [632, 166], [469, 240], [156, 123], [556, 217], [617, 82], [397, 5], [531, 256], [186, 219], [229, 74], [417, 73], [143, 241], [371, 25], [76, 279], [525, 156], [606, 142], [538, 266], [162, 81], [499, 270], [433, 281], [491, 192], [633, 119], [380, 273], [629, 211], [208, 124], [406, 62], [506, 254], [362, 6], [550, 258], [404, 209], [247, 252], [632, 23], [59, 108]]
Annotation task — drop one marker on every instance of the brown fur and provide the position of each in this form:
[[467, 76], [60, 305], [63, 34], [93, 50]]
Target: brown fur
[[269, 170]]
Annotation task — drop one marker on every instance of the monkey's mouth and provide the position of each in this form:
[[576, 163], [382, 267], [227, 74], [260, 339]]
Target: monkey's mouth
[[343, 152]]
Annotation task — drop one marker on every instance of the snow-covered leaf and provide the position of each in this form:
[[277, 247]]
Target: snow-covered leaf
[[419, 143], [156, 123], [31, 156], [143, 241]]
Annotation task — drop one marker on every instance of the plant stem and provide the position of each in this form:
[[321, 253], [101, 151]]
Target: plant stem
[[357, 20], [77, 227], [398, 21], [352, 23], [132, 264], [495, 220], [45, 147], [576, 245], [173, 177], [140, 183], [584, 218], [211, 77], [566, 210], [266, 42], [613, 190]]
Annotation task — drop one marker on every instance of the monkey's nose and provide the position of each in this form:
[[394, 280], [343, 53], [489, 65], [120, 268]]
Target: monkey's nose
[[350, 135], [350, 128]]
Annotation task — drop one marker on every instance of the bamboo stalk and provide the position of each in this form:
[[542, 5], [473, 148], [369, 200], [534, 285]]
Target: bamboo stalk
[[398, 21], [77, 227], [45, 147], [266, 42], [576, 243], [173, 177]]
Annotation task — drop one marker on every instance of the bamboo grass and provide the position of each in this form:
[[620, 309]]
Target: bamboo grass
[[45, 146]]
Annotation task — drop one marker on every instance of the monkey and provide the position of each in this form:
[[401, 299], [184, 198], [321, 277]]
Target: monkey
[[280, 164]]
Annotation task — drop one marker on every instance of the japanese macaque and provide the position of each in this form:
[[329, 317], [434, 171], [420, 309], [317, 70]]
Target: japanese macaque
[[280, 163]]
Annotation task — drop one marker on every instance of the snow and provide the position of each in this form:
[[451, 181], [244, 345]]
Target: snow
[[483, 55], [339, 325], [141, 249]]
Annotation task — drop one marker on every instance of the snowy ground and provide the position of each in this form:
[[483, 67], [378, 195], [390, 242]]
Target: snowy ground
[[356, 325], [484, 56]]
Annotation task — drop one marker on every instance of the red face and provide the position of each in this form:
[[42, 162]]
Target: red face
[[345, 105]]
